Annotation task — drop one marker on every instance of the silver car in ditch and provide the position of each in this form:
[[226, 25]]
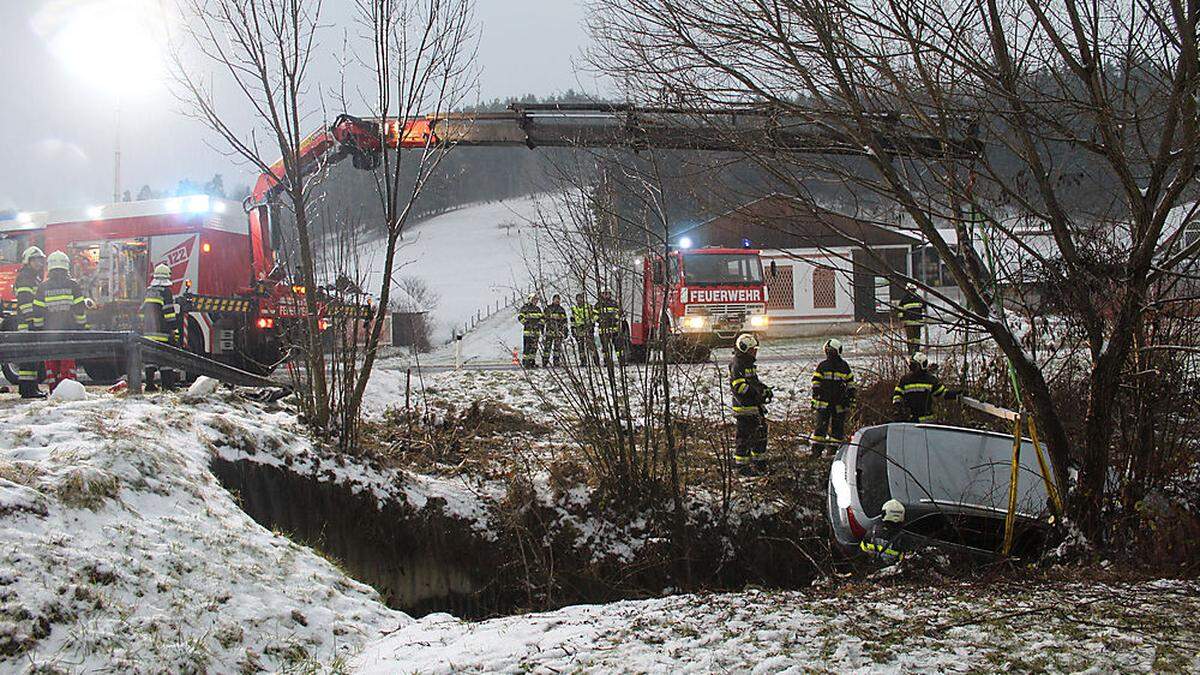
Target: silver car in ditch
[[953, 483]]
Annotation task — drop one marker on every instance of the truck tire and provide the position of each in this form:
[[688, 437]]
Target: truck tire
[[10, 369]]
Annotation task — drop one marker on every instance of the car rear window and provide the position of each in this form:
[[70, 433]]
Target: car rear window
[[871, 469]]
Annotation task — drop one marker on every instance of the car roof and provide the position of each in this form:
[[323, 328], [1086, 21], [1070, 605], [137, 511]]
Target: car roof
[[959, 468]]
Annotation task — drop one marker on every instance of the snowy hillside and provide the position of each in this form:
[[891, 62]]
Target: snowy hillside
[[471, 258], [122, 552]]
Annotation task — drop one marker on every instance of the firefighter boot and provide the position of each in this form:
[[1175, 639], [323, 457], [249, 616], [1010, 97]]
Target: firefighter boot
[[169, 378], [148, 383], [30, 389]]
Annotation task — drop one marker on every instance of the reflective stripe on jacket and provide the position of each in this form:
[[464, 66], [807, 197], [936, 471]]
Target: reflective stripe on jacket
[[25, 288], [833, 384], [916, 391], [157, 314], [745, 386], [60, 304]]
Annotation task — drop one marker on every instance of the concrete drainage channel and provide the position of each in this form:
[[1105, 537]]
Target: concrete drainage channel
[[422, 564]]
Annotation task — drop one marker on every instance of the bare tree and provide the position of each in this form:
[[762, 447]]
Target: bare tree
[[1061, 97], [423, 63], [262, 49]]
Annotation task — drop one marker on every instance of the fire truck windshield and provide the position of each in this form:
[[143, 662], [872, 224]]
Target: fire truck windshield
[[721, 269]]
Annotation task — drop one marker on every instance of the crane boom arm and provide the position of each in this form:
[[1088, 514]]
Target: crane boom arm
[[736, 128]]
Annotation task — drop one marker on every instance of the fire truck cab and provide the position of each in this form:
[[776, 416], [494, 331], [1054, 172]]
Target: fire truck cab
[[711, 295], [114, 250]]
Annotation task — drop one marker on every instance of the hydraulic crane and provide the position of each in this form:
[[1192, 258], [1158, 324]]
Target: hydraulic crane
[[730, 129]]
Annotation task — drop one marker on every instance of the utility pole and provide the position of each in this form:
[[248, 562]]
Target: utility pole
[[117, 154]]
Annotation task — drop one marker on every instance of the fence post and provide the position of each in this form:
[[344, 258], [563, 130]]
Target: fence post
[[133, 365]]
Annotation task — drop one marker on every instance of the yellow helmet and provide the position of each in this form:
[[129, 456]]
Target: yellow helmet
[[58, 261]]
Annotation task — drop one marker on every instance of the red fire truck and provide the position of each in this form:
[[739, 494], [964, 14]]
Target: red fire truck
[[230, 303], [711, 295]]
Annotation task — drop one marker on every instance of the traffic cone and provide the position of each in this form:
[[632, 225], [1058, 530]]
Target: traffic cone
[[516, 359]]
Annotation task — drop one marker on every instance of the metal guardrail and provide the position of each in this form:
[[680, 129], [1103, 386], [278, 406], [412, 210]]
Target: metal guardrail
[[132, 349]]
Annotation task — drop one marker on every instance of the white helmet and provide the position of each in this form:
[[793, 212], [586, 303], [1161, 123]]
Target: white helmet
[[745, 342], [833, 344], [162, 272], [893, 511], [58, 261], [920, 360], [31, 253], [911, 286]]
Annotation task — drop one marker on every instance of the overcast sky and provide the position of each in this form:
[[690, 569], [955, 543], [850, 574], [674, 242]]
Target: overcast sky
[[58, 124]]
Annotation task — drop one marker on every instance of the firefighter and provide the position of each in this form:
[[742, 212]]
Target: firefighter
[[555, 317], [531, 319], [63, 307], [832, 393], [25, 289], [608, 321], [160, 323], [911, 312], [885, 541], [914, 394], [750, 397], [583, 329]]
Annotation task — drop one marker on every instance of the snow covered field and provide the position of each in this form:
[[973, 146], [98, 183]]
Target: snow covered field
[[471, 257], [869, 629], [123, 553]]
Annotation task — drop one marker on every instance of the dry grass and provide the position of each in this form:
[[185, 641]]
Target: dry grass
[[84, 488]]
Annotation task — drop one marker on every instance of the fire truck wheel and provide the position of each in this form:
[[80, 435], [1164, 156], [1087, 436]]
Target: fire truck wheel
[[10, 369]]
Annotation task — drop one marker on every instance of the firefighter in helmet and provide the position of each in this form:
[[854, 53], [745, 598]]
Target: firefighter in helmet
[[555, 317], [531, 318], [583, 329], [914, 394], [63, 307], [750, 397], [25, 289], [608, 321], [885, 541], [832, 393], [911, 312], [160, 323]]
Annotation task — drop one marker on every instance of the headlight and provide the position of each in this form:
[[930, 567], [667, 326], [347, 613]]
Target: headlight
[[694, 322], [759, 320]]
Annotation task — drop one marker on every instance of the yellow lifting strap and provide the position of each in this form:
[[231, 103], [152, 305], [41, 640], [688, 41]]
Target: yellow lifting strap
[[1011, 517], [1051, 486]]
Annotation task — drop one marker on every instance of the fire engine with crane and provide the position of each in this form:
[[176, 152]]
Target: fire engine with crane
[[236, 299]]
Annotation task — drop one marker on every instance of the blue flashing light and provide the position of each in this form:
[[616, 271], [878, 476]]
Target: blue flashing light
[[745, 242], [685, 242]]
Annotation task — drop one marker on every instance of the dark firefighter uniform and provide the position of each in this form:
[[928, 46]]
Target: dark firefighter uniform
[[886, 543], [583, 329], [555, 317], [912, 314], [832, 393], [914, 394], [750, 397], [25, 288], [62, 306], [160, 323], [608, 320], [530, 317]]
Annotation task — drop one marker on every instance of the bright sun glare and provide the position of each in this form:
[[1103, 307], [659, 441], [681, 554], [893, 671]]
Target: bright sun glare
[[115, 45]]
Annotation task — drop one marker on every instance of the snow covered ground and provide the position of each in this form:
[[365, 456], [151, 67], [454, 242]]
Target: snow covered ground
[[122, 552], [472, 258], [1143, 627]]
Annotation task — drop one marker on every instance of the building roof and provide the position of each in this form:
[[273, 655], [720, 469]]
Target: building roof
[[785, 222]]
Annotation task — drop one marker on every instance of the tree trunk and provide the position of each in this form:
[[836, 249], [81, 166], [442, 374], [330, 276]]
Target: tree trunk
[[314, 351]]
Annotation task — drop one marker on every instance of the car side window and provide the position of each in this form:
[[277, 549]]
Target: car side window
[[871, 470]]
